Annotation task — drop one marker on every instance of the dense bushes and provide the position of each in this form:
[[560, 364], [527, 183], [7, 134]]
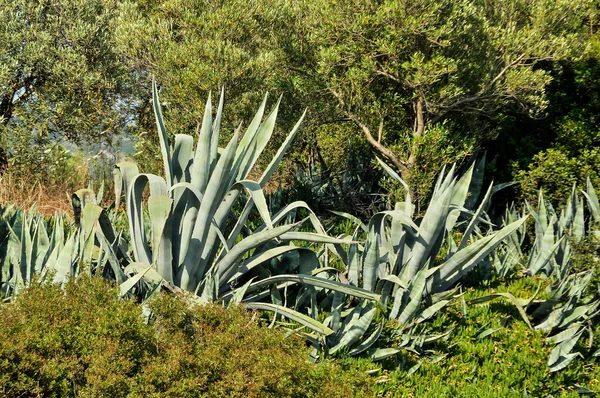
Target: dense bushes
[[82, 340]]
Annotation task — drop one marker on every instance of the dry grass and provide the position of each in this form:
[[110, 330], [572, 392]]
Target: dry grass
[[47, 197]]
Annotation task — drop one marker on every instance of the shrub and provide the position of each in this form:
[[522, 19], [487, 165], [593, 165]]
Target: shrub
[[81, 340]]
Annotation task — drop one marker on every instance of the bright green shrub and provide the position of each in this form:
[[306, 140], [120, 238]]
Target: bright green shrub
[[555, 171], [84, 341]]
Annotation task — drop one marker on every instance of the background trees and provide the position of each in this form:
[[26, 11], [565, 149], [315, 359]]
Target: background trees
[[418, 83], [421, 83], [60, 76]]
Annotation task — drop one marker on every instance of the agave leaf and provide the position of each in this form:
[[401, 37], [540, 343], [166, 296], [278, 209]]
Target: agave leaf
[[123, 174], [415, 292], [429, 229], [395, 176], [548, 248], [258, 259], [193, 269], [464, 260], [317, 282], [159, 208], [561, 355], [438, 182], [592, 199], [578, 313], [487, 332], [293, 315], [251, 151], [158, 186], [126, 286], [501, 186], [579, 222], [460, 190], [383, 353], [314, 237], [353, 261], [239, 293], [565, 334], [202, 159], [64, 263], [183, 152], [431, 311], [279, 155], [368, 342], [258, 198], [91, 214], [476, 183], [475, 219], [226, 265], [356, 328], [510, 298], [112, 258], [162, 135], [371, 261], [147, 270], [214, 141]]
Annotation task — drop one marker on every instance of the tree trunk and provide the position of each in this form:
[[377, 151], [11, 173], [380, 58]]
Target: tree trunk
[[6, 110]]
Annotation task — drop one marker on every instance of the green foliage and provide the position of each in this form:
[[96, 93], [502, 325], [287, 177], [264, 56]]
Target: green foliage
[[555, 171], [407, 79], [561, 149], [82, 340], [59, 73]]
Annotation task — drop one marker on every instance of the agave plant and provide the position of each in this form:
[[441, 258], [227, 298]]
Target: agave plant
[[415, 264], [34, 246], [191, 237], [566, 315], [552, 250]]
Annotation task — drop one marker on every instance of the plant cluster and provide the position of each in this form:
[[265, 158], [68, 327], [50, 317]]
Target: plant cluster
[[371, 294]]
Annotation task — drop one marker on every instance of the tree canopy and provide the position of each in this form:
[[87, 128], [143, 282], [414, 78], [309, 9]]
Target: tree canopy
[[424, 82], [59, 73], [420, 83]]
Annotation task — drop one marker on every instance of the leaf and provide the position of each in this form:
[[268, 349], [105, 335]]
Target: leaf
[[365, 345], [510, 298], [431, 311], [487, 333], [371, 261], [317, 282], [383, 353], [453, 269], [293, 315], [162, 135], [355, 329], [413, 369]]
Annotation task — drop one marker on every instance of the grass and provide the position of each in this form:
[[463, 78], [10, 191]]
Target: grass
[[47, 199]]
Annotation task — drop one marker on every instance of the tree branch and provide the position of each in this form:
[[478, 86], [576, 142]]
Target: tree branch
[[480, 94], [387, 153]]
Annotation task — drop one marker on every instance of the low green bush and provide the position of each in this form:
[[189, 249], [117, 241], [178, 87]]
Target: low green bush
[[82, 340]]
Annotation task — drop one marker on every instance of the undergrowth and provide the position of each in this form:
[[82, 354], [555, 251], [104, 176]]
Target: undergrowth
[[82, 340]]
